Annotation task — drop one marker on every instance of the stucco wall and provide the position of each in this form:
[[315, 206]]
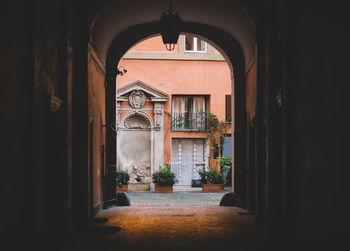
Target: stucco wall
[[182, 77], [96, 103], [210, 77]]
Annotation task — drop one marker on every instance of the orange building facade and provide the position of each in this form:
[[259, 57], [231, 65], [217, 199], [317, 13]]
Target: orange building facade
[[162, 100]]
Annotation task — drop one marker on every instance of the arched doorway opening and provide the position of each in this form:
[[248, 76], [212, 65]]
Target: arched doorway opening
[[239, 52], [180, 90]]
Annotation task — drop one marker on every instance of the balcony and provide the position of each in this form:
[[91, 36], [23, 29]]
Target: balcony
[[188, 121]]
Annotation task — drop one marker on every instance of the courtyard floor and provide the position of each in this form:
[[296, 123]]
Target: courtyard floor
[[185, 196], [186, 219]]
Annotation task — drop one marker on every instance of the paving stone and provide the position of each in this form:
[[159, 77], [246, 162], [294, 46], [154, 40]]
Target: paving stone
[[191, 197]]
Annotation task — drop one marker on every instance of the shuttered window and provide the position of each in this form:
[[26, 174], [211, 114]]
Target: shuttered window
[[188, 113], [228, 108]]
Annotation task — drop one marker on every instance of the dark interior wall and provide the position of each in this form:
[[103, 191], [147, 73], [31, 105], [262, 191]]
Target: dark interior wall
[[302, 56], [33, 125], [250, 107], [316, 59], [17, 115], [51, 138], [51, 109]]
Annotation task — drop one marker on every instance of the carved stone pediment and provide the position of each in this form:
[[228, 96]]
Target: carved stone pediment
[[138, 91]]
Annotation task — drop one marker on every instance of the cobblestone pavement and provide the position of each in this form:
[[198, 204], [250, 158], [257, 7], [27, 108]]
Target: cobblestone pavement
[[189, 197]]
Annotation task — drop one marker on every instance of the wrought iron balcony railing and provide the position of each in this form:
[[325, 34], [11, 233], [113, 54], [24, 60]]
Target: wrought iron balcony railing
[[188, 121]]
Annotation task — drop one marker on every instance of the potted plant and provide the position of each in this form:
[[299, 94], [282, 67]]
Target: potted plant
[[212, 180], [164, 179], [122, 180]]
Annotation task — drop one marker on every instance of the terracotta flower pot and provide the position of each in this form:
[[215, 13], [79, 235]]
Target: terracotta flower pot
[[212, 188], [163, 189], [123, 188]]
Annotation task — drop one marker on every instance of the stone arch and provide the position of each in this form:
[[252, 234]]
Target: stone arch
[[234, 37], [233, 53]]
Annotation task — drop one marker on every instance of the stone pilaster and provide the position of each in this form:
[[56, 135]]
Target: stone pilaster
[[158, 135]]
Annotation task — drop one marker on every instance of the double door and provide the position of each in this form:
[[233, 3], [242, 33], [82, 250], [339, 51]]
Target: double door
[[187, 158]]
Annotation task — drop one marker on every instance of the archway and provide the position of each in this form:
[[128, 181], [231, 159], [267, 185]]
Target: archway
[[239, 52], [234, 54]]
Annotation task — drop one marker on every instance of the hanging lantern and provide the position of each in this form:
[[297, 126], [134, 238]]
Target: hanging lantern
[[170, 27]]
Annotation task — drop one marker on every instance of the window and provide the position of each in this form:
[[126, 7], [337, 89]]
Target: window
[[194, 44], [188, 113], [227, 146], [228, 114]]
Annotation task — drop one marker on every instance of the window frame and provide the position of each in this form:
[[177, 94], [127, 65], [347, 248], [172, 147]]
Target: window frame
[[195, 50], [183, 108], [188, 96]]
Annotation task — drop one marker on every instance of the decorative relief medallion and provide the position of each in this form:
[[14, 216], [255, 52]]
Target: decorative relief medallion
[[137, 121], [137, 99]]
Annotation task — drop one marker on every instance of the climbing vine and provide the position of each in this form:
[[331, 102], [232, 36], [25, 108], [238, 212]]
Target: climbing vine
[[215, 131]]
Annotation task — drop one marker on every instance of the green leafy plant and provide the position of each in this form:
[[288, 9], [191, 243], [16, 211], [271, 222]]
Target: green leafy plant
[[225, 161], [122, 177], [225, 164], [164, 177], [215, 131], [211, 176]]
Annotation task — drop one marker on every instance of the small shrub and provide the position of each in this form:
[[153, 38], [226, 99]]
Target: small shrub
[[211, 176], [164, 177], [122, 178]]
